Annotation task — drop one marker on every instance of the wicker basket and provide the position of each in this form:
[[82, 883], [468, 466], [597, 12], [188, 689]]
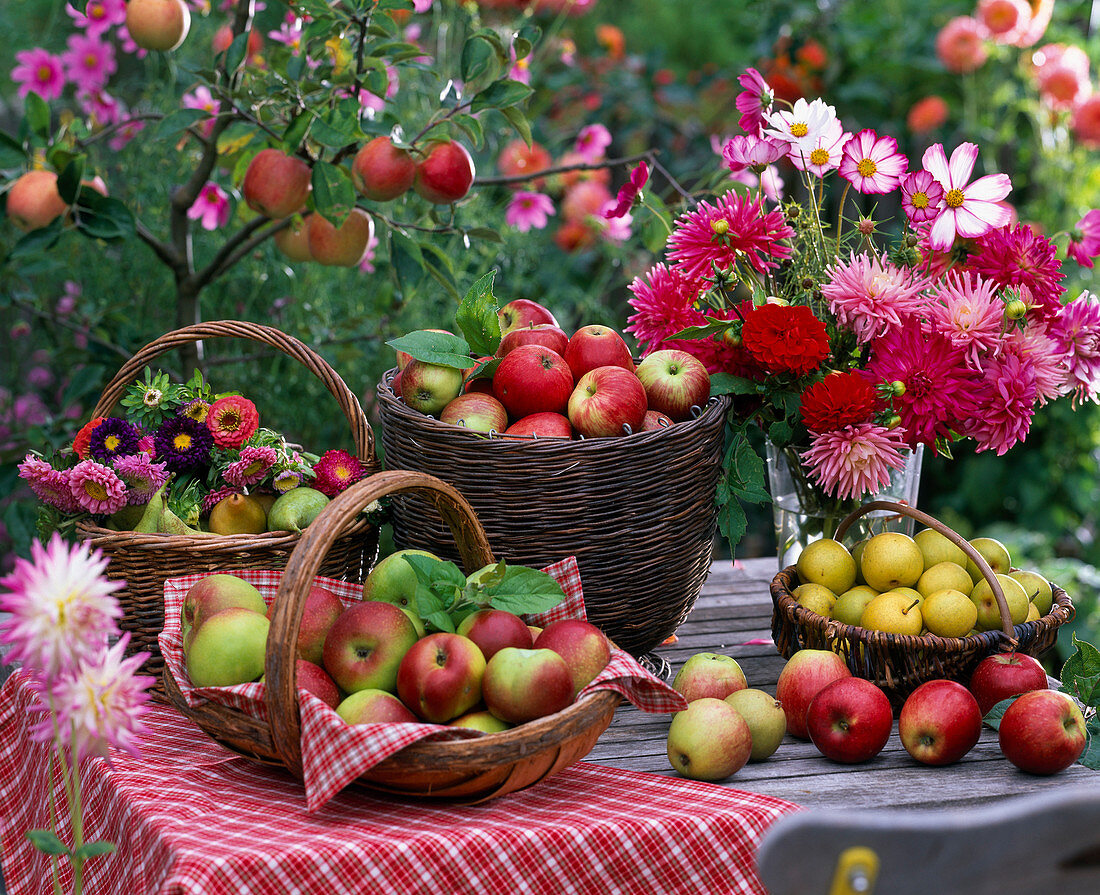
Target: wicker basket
[[469, 770], [899, 663], [638, 512], [146, 561]]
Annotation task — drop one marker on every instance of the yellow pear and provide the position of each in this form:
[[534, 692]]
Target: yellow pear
[[993, 552], [891, 559], [857, 554], [949, 613], [1037, 588], [944, 576], [989, 614], [938, 548], [910, 592], [829, 563], [238, 514], [849, 605], [815, 597], [1032, 613], [894, 614]]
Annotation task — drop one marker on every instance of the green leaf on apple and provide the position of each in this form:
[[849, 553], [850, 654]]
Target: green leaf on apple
[[477, 317], [993, 716], [333, 192], [1081, 674], [435, 348], [523, 591]]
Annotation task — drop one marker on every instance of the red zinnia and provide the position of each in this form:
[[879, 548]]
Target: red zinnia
[[785, 338], [80, 443], [232, 420], [839, 400]]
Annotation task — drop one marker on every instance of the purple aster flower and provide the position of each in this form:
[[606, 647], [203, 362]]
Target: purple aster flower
[[182, 444], [113, 438]]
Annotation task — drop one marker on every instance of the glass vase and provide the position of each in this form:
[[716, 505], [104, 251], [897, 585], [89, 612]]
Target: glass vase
[[802, 513]]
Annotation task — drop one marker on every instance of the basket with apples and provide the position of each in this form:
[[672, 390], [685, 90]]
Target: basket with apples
[[903, 610], [393, 684], [564, 446]]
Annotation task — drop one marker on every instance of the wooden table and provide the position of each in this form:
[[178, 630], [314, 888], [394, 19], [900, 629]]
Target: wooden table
[[734, 607]]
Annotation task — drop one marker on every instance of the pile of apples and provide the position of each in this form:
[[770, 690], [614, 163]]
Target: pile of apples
[[549, 384], [850, 720], [917, 585], [374, 662]]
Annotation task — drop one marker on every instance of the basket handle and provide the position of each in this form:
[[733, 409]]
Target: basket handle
[[361, 432], [954, 537], [280, 671]]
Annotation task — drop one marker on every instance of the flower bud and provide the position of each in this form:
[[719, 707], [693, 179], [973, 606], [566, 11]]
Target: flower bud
[[897, 388], [731, 338], [720, 227], [1015, 309], [892, 421]]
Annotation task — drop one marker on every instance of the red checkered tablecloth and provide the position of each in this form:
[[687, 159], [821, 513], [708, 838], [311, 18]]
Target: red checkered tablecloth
[[191, 817]]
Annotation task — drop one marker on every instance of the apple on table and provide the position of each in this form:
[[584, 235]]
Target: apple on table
[[709, 740], [939, 722], [1042, 732], [1003, 675], [766, 719], [584, 647], [806, 672], [709, 675], [849, 720]]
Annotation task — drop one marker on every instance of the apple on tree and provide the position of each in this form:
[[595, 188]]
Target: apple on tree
[[342, 246], [445, 174], [522, 312], [276, 184], [157, 24], [597, 346], [849, 720], [709, 740], [803, 676], [524, 684], [709, 675], [440, 677], [1003, 675], [674, 382], [939, 722], [532, 379], [1042, 732], [33, 200], [382, 171], [293, 239], [605, 401], [366, 644]]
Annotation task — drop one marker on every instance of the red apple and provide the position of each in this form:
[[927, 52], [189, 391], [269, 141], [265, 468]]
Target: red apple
[[584, 647], [314, 679], [403, 357], [213, 593], [366, 644], [342, 246], [532, 379], [595, 346], [709, 676], [523, 684], [522, 312], [445, 174], [849, 720], [494, 629], [276, 184], [157, 24], [939, 722], [382, 171], [223, 37], [477, 412], [33, 200], [319, 614], [605, 401], [480, 384], [553, 337], [805, 673], [541, 425], [709, 740], [1042, 732], [293, 240], [655, 420], [1003, 675], [674, 382], [374, 707], [440, 677], [429, 387]]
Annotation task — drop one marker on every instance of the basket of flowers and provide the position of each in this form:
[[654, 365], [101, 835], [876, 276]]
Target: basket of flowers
[[143, 485], [899, 662]]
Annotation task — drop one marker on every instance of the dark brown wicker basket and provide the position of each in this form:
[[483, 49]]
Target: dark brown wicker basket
[[899, 663], [146, 561], [638, 512], [469, 770]]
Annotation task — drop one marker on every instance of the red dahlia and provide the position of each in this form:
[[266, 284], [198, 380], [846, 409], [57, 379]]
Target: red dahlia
[[839, 400], [785, 338]]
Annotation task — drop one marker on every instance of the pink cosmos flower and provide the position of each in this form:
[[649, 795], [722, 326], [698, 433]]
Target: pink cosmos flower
[[102, 108], [755, 153], [1078, 334], [96, 487], [1019, 258], [872, 164], [98, 17], [289, 33], [969, 312], [856, 460], [921, 196], [592, 141], [1041, 11], [754, 102], [802, 125], [610, 226], [521, 68], [871, 296], [49, 485], [421, 5], [128, 45], [125, 134], [969, 209], [960, 45], [366, 263], [202, 98], [39, 71], [89, 61], [529, 211], [61, 605], [66, 304], [1084, 240], [629, 192], [1008, 404], [825, 154], [211, 207]]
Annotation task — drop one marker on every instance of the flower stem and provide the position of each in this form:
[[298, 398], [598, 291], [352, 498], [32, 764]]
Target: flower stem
[[840, 216]]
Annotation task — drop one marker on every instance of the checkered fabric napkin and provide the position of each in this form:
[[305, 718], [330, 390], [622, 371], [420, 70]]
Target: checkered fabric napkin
[[335, 753], [190, 818]]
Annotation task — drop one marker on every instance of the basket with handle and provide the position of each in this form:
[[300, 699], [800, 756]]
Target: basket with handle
[[899, 663], [468, 770], [145, 561]]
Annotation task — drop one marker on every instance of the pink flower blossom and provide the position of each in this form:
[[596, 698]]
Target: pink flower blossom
[[211, 207], [49, 485], [201, 98], [421, 5], [613, 227], [141, 475], [1062, 73], [89, 61], [592, 142], [921, 196], [664, 303], [1020, 258], [100, 107], [1008, 404], [128, 45], [1005, 20], [825, 154], [1084, 239], [1045, 355], [96, 487], [755, 153], [125, 134], [960, 45], [803, 124], [336, 471], [366, 263], [854, 461], [754, 102], [255, 463], [871, 296], [969, 312], [66, 304], [969, 209], [1078, 334], [529, 210], [629, 192], [1086, 122], [98, 17], [872, 164], [39, 71]]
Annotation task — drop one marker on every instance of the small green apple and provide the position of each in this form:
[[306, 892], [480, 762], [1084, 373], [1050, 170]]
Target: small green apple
[[393, 580]]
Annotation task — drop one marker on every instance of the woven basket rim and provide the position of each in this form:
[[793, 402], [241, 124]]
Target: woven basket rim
[[207, 543]]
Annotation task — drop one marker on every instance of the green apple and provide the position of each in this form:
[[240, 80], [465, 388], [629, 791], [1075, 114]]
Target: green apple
[[891, 559], [294, 510], [393, 580], [212, 594], [766, 719], [945, 575], [1038, 589], [993, 552], [228, 649], [938, 548], [373, 706], [709, 741], [483, 720], [827, 562]]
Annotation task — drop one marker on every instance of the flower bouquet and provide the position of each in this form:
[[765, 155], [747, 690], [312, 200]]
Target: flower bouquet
[[853, 344]]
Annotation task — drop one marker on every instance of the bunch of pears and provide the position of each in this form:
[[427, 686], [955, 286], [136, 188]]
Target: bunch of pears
[[925, 584]]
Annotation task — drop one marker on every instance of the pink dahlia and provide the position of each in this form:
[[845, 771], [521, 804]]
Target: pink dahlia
[[938, 388], [870, 295], [336, 471], [854, 461], [254, 464], [755, 102], [49, 485], [735, 228], [872, 164], [1019, 257], [1007, 405], [1084, 240], [969, 209], [1078, 334], [1047, 356], [960, 45], [96, 488], [970, 314], [664, 303]]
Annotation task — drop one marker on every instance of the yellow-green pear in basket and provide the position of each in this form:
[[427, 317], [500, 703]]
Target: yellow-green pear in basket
[[829, 563], [891, 559], [849, 605], [1037, 587], [294, 510], [126, 518], [815, 597], [150, 517], [238, 514], [993, 552], [989, 613], [894, 614], [172, 524], [945, 575], [937, 548]]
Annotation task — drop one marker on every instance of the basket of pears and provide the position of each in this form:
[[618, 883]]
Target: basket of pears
[[904, 609]]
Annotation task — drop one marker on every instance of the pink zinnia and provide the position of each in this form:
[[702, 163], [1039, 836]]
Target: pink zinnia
[[1084, 240], [921, 196], [969, 209], [854, 461], [753, 152], [754, 102], [970, 314], [870, 295], [39, 71], [1006, 406], [751, 235], [528, 211], [1018, 257], [96, 488], [872, 164], [49, 485], [336, 471], [1078, 335], [232, 420], [255, 463], [592, 141], [211, 207], [89, 61], [939, 389]]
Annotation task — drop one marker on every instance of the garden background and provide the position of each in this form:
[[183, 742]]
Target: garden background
[[656, 79]]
